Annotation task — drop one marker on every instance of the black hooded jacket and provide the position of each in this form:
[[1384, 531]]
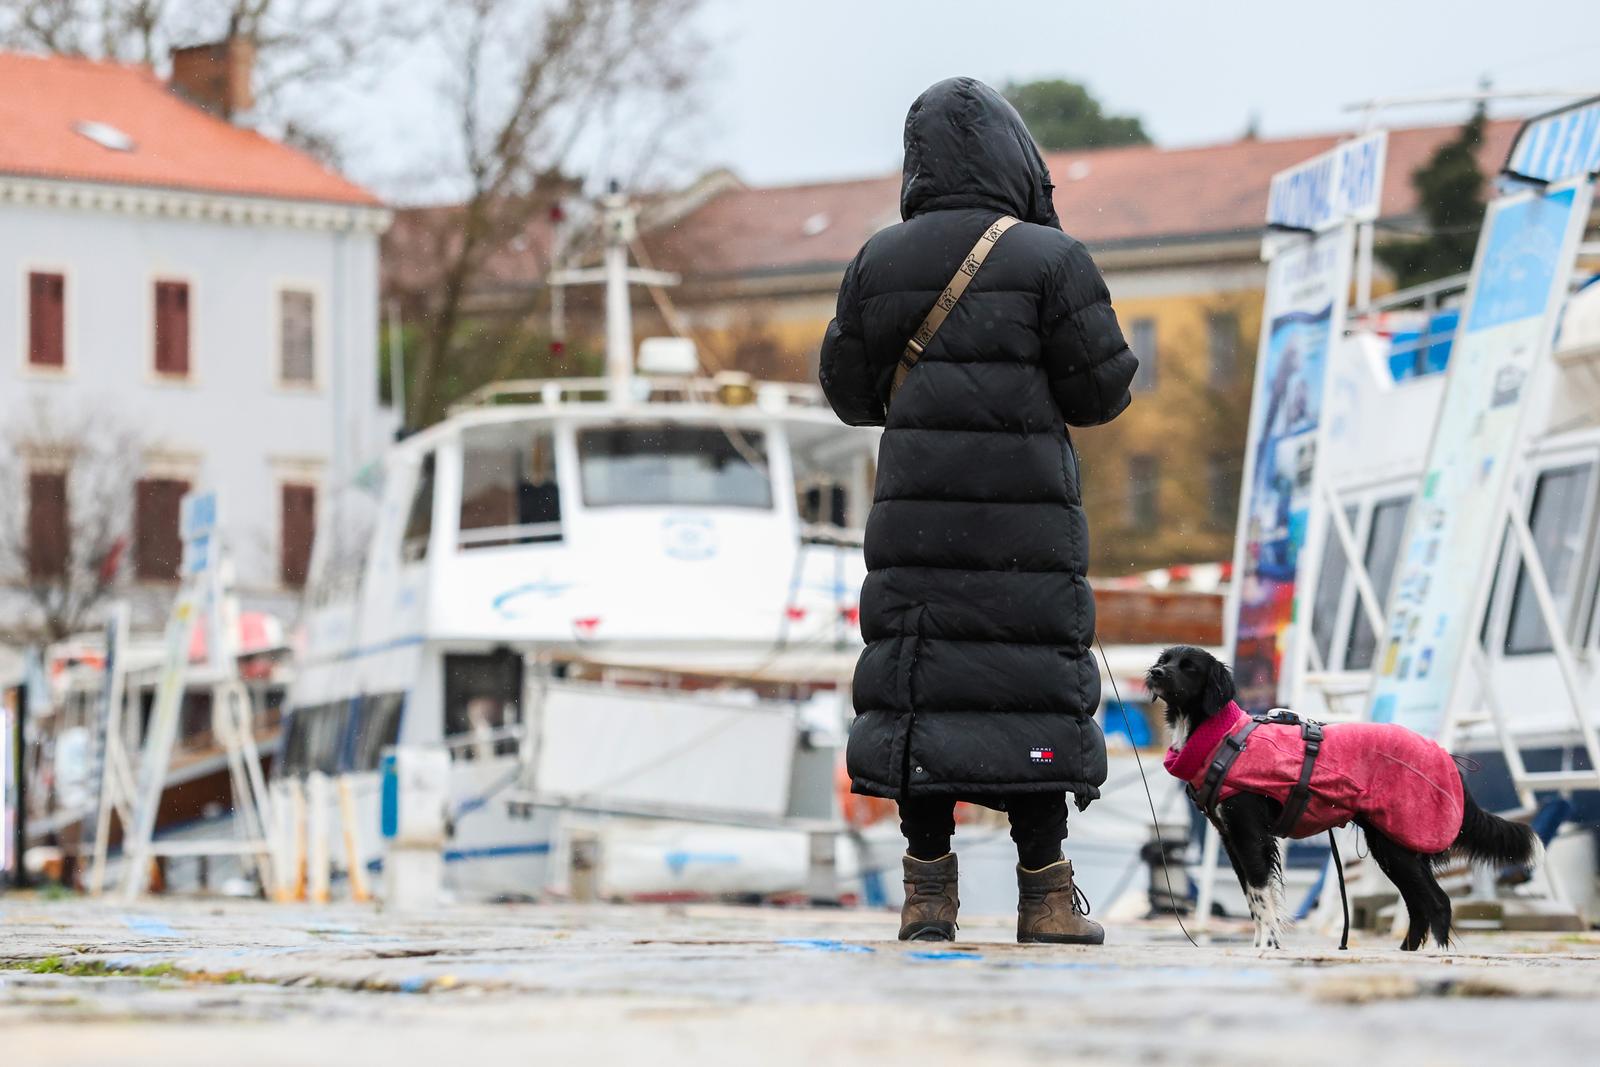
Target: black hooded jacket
[[977, 679]]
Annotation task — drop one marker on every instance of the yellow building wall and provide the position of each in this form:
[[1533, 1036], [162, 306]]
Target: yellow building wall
[[1187, 427]]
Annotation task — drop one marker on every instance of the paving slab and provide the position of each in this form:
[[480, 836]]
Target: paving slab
[[180, 982]]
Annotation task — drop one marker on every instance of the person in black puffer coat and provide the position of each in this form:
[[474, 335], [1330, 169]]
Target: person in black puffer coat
[[978, 682]]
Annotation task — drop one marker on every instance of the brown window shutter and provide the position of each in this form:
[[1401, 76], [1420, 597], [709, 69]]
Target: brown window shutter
[[297, 531], [47, 524], [47, 320], [158, 548], [172, 328]]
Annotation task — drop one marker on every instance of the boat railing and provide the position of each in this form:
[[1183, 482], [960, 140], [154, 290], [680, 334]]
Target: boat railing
[[725, 390], [822, 533], [516, 534], [1429, 296], [486, 744]]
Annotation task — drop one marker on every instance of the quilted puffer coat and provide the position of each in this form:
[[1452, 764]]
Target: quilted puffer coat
[[978, 678]]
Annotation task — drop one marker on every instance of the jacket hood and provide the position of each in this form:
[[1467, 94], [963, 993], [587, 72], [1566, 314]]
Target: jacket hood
[[966, 146]]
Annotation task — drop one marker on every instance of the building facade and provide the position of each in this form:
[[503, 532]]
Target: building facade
[[1177, 233], [184, 304]]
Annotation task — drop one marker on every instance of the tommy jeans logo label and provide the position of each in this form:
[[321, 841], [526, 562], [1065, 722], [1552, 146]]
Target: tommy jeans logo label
[[1042, 755]]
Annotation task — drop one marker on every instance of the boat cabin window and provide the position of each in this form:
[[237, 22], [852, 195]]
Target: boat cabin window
[[378, 729], [683, 466], [822, 504], [509, 493], [482, 704], [419, 520], [1557, 521], [314, 738], [1384, 532]]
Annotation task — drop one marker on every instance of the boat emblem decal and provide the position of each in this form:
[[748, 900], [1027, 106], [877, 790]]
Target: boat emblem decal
[[688, 537]]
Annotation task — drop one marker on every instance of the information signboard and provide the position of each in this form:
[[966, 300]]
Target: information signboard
[[1518, 288]]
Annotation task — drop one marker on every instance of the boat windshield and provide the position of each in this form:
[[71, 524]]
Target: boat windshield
[[674, 465]]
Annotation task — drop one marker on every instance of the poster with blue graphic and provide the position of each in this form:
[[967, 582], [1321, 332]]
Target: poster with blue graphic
[[1519, 283], [1306, 286]]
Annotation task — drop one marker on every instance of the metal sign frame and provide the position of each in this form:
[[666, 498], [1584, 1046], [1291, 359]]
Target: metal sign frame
[[208, 585]]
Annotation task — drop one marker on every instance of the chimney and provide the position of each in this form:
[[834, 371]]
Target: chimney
[[216, 76]]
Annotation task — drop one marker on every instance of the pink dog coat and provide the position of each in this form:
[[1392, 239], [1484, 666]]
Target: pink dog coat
[[1399, 781]]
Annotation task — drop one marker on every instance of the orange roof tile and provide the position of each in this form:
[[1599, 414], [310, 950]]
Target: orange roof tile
[[44, 99], [1106, 197]]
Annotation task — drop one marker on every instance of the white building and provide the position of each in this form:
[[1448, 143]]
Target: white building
[[187, 286]]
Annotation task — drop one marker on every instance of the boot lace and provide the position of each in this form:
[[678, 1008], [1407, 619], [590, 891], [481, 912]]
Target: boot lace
[[1080, 901]]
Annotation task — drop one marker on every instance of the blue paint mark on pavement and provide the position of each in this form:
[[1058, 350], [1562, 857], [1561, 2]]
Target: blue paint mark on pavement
[[945, 955], [149, 925], [822, 944]]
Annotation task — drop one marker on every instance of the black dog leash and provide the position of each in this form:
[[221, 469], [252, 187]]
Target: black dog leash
[[1155, 820], [1344, 898]]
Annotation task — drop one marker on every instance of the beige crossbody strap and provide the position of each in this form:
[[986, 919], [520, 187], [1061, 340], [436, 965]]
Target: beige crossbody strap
[[958, 284]]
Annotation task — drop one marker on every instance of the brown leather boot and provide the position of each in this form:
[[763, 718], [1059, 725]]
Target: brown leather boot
[[929, 913], [1051, 909]]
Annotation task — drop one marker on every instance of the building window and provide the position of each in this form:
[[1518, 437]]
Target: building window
[[509, 494], [1142, 491], [1222, 337], [297, 346], [48, 524], [1143, 342], [172, 329], [1388, 525], [1556, 522], [1222, 487], [157, 544], [47, 321], [297, 530]]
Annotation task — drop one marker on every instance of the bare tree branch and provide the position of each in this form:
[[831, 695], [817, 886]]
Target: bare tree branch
[[101, 459], [521, 110]]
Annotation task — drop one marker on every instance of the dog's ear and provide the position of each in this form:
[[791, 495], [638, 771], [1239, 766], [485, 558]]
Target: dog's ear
[[1218, 689]]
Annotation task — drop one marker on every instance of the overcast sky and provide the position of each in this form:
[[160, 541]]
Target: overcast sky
[[814, 89]]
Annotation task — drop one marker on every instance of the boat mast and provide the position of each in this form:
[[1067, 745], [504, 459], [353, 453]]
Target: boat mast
[[620, 223], [620, 220]]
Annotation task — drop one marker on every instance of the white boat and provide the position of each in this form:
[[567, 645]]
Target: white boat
[[619, 599]]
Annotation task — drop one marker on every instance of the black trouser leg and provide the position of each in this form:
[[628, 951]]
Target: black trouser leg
[[928, 823], [1038, 826]]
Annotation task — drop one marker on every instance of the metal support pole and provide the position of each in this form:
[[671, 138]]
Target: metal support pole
[[19, 825], [1364, 241], [1533, 567], [1358, 568], [1208, 876], [397, 362]]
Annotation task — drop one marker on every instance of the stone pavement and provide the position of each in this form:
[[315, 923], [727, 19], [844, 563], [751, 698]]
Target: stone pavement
[[232, 983]]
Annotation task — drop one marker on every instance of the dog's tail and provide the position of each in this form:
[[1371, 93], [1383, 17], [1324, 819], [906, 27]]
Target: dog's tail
[[1491, 840]]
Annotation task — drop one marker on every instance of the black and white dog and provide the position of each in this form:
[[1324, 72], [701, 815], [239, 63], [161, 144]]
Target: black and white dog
[[1196, 688]]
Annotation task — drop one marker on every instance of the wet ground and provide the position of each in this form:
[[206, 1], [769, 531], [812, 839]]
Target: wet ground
[[237, 983]]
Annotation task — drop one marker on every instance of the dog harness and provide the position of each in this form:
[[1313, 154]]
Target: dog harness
[[1294, 805]]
